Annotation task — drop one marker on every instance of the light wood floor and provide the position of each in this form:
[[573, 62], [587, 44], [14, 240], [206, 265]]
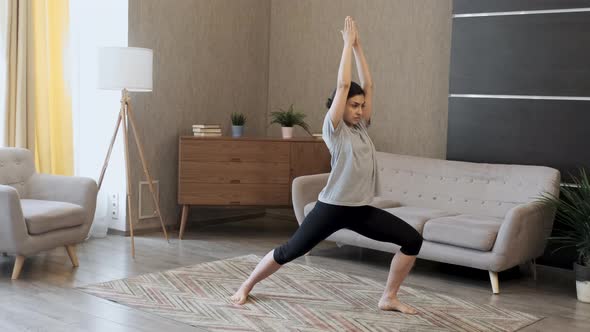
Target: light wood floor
[[45, 298]]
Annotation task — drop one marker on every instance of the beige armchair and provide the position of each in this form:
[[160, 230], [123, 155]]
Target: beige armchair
[[40, 212]]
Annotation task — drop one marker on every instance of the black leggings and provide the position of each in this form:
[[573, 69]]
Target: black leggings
[[366, 220]]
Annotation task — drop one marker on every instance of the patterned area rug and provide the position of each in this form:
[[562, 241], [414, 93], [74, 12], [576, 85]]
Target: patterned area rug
[[296, 298]]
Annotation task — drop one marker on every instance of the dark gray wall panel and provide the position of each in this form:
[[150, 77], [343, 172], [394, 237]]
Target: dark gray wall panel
[[524, 54], [530, 132], [484, 6]]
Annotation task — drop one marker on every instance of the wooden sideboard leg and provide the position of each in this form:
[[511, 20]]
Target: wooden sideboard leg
[[185, 209]]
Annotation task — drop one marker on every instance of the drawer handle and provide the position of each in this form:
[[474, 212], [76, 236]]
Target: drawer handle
[[236, 159], [234, 181], [234, 202]]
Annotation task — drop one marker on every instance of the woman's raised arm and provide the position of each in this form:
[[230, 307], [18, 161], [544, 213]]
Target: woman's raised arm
[[364, 76], [344, 73]]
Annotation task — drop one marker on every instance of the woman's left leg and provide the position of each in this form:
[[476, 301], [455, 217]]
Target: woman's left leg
[[383, 226]]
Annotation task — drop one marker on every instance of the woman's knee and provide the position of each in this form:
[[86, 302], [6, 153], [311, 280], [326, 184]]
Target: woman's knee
[[279, 255], [413, 244], [283, 254]]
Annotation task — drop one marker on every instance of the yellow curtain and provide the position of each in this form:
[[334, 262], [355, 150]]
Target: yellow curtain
[[52, 98]]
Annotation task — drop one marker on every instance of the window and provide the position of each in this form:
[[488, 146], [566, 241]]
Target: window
[[94, 24]]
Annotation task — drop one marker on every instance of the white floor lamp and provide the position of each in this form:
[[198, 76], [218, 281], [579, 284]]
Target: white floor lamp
[[127, 69]]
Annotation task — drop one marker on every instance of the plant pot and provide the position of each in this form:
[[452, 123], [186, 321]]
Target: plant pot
[[287, 132], [237, 131], [582, 282]]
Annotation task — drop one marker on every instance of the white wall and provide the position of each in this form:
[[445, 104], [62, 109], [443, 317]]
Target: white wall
[[94, 24]]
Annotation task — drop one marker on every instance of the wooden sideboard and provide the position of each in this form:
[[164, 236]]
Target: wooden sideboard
[[244, 171]]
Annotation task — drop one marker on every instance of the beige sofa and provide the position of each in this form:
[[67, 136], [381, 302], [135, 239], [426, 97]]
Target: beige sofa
[[482, 216], [39, 211]]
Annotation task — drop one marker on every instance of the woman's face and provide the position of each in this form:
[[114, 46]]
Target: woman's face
[[354, 110]]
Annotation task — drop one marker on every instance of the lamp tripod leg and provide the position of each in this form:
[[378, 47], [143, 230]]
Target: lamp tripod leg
[[145, 170], [108, 156], [130, 209]]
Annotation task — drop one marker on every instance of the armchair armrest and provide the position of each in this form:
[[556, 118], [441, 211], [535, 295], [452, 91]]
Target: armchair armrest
[[524, 232], [305, 190], [71, 189], [13, 229]]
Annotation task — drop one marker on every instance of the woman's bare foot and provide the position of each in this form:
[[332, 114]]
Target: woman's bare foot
[[241, 296], [393, 304]]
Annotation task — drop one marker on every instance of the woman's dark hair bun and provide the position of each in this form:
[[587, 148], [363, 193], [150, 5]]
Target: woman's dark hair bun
[[354, 90]]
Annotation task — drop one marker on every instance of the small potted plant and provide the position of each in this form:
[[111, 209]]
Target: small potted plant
[[237, 120], [573, 212], [288, 119]]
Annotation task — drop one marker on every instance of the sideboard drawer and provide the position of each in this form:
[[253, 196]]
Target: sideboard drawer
[[234, 172], [233, 194], [234, 151]]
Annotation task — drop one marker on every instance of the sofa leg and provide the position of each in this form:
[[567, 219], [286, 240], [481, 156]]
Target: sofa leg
[[18, 266], [495, 283], [534, 269], [72, 253]]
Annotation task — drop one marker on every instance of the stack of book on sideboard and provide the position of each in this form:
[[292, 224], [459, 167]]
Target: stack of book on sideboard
[[206, 130]]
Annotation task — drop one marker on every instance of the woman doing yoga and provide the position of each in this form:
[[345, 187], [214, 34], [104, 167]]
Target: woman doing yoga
[[343, 203]]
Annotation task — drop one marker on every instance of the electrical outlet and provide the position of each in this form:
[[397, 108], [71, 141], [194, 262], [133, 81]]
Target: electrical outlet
[[114, 205]]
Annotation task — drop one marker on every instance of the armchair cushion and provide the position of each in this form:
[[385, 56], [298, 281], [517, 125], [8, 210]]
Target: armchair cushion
[[46, 216]]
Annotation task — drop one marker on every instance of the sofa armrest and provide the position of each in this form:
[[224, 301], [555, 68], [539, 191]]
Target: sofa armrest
[[71, 189], [306, 190], [524, 232], [13, 229]]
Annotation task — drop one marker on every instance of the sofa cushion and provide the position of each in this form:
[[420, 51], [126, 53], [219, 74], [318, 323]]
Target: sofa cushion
[[46, 216], [378, 202], [468, 231], [417, 216]]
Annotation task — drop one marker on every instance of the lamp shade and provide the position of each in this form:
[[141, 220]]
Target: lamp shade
[[125, 68]]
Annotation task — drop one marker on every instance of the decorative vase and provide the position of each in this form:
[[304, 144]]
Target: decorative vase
[[287, 132], [582, 282], [237, 131]]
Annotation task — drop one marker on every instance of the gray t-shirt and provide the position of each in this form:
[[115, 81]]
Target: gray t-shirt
[[354, 164]]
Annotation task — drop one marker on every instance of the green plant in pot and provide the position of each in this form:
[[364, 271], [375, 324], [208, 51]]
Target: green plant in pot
[[573, 212], [238, 120], [288, 119]]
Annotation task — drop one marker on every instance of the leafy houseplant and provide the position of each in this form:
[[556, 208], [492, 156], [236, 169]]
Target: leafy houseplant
[[573, 212], [237, 120], [288, 119]]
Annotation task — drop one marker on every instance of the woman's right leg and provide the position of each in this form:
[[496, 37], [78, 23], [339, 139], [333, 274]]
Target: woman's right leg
[[320, 223], [380, 225]]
